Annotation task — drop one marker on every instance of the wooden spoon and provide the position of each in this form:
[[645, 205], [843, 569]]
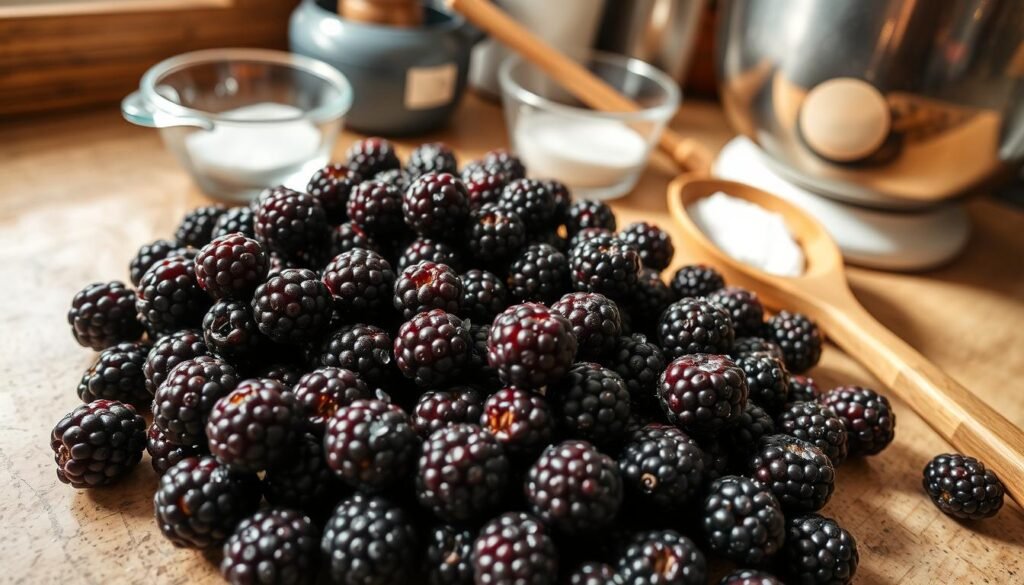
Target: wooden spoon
[[822, 293]]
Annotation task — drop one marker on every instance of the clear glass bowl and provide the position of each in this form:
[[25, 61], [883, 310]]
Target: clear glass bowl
[[242, 120], [599, 155]]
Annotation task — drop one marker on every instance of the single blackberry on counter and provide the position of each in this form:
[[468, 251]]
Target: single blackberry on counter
[[530, 346], [103, 314], [291, 223], [563, 199], [377, 208], [744, 438], [360, 281], [425, 286], [370, 445], [596, 322], [254, 427], [230, 331], [292, 307], [169, 351], [767, 380], [749, 577], [799, 338], [240, 220], [148, 255], [184, 400], [369, 539], [818, 551], [742, 521], [436, 205], [654, 244], [323, 391], [514, 548], [502, 161], [962, 487], [431, 157], [648, 301], [640, 363], [743, 346], [817, 424], [702, 393], [432, 347], [196, 228], [98, 443], [483, 297], [285, 372], [332, 185], [605, 265], [587, 213], [798, 473], [424, 249], [532, 201], [538, 273], [574, 488], [448, 555], [118, 375], [170, 298], [273, 546], [462, 474], [594, 573], [349, 236], [304, 481], [521, 420], [163, 455], [484, 187], [661, 467], [231, 266], [436, 409], [662, 557], [869, 419], [805, 389], [370, 156], [696, 280], [494, 235], [692, 325], [364, 349], [592, 403], [743, 306], [199, 502]]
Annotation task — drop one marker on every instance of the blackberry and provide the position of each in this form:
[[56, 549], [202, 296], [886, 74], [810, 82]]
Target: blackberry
[[797, 472], [869, 419], [432, 347], [323, 391], [574, 488], [743, 346], [595, 320], [593, 573], [799, 338], [605, 265], [750, 426], [429, 250], [484, 187], [483, 297], [118, 375], [654, 244], [397, 178], [431, 157], [377, 208], [370, 444], [103, 314], [196, 228], [253, 427], [530, 346], [818, 551], [436, 409], [532, 201], [367, 540], [448, 556], [588, 233], [169, 297], [648, 301], [148, 255], [186, 397], [702, 393], [98, 443], [360, 281], [661, 467], [640, 363], [292, 307], [349, 236], [692, 325], [230, 331], [163, 455], [767, 380], [199, 502], [436, 205], [743, 306], [662, 557], [962, 487], [425, 286], [817, 424], [563, 199], [364, 349], [236, 220], [514, 548], [303, 481], [275, 545], [749, 577], [370, 156], [592, 403], [742, 521], [538, 273], [292, 224], [169, 351], [696, 280], [332, 185], [587, 213], [231, 266], [502, 161], [805, 389], [462, 473], [494, 235], [521, 420]]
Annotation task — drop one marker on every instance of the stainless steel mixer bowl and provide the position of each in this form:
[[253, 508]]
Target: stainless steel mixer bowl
[[893, 103]]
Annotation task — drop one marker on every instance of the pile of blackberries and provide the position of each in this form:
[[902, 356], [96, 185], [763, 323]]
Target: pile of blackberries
[[410, 375]]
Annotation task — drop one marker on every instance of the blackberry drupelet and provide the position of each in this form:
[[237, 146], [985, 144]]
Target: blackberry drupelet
[[799, 338], [323, 391], [240, 220], [370, 445], [484, 187], [186, 397], [118, 375], [364, 349], [532, 201], [640, 363], [514, 548], [538, 273], [648, 301], [661, 467], [292, 307], [397, 178], [448, 555], [521, 420], [292, 224], [276, 546], [869, 419], [163, 455], [596, 322], [483, 297], [426, 286], [742, 521], [431, 157], [805, 389], [436, 409], [591, 402], [370, 156], [432, 347], [254, 427], [574, 488], [605, 265], [817, 424], [654, 244], [199, 502], [797, 472], [696, 280], [587, 213], [462, 474], [424, 249], [148, 255], [744, 437], [98, 443], [169, 297], [103, 314], [436, 205], [332, 185], [494, 235], [818, 551], [692, 325], [349, 236], [502, 161], [743, 306], [377, 208], [662, 557], [530, 346], [231, 266], [742, 346], [360, 281], [563, 199], [594, 573], [196, 228], [702, 393], [303, 481], [962, 487], [169, 351], [230, 331], [767, 380], [368, 540], [749, 577]]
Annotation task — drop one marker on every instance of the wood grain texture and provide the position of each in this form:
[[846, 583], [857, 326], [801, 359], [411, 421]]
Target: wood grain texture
[[79, 193]]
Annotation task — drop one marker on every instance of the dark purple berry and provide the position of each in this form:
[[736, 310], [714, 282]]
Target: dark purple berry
[[98, 443], [103, 314]]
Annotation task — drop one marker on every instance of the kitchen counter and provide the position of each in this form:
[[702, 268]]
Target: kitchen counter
[[79, 194]]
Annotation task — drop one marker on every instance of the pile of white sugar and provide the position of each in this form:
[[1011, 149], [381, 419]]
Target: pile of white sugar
[[749, 233]]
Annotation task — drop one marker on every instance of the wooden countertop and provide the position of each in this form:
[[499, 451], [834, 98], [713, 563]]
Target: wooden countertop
[[79, 193]]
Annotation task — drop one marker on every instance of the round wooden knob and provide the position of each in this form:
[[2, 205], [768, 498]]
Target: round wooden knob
[[845, 119]]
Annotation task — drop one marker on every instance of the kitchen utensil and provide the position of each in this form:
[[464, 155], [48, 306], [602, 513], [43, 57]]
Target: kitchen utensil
[[241, 120], [660, 32], [822, 292], [384, 12]]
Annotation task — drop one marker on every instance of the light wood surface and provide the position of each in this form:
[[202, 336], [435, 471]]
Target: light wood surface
[[79, 193]]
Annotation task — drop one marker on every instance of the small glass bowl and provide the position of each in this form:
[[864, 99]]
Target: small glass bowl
[[599, 155], [242, 120]]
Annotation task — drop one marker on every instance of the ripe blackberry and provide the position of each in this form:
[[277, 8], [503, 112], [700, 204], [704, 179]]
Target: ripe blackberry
[[169, 351], [869, 419], [254, 426], [797, 472], [605, 265], [292, 307], [767, 380], [640, 363], [574, 488], [199, 502], [502, 161], [369, 539], [752, 424], [431, 157], [186, 397], [538, 273], [231, 266], [799, 338], [230, 331], [805, 389], [98, 443], [424, 249], [303, 481], [332, 185], [742, 520], [484, 187], [163, 455], [360, 281], [530, 346], [148, 255], [370, 156], [595, 320], [818, 551], [749, 577], [587, 213], [532, 201], [291, 223], [692, 325], [448, 556], [563, 199], [662, 557], [962, 487], [743, 306], [494, 235], [276, 545], [370, 444], [743, 346], [349, 236], [323, 391], [696, 280], [462, 473], [169, 297], [397, 178], [483, 297], [364, 349], [592, 403], [817, 424], [702, 393], [521, 420], [648, 301], [432, 347], [196, 228], [436, 205], [514, 548], [103, 314], [661, 467], [654, 244], [593, 573], [236, 220], [118, 375], [377, 208], [437, 409], [425, 286]]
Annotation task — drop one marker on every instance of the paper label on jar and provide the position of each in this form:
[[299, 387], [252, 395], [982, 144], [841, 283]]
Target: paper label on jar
[[430, 87]]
